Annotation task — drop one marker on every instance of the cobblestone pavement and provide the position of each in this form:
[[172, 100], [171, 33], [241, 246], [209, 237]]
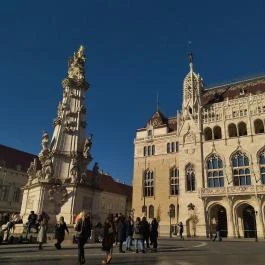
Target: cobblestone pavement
[[169, 252]]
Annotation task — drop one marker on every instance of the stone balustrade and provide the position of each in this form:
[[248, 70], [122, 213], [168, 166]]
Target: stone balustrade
[[233, 190]]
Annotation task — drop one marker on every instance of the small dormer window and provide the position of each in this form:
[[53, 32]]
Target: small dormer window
[[242, 92], [149, 133], [18, 167]]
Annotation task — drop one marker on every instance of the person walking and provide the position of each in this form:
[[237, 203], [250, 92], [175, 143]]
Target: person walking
[[43, 220], [83, 232], [32, 219], [146, 232], [217, 232], [181, 230], [138, 235], [129, 233], [121, 231], [154, 234], [108, 239], [60, 229]]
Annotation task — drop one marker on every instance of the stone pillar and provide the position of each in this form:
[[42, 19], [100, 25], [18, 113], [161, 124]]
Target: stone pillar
[[259, 219], [230, 219]]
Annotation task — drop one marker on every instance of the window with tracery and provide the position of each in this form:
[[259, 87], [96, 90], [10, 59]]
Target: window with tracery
[[241, 169], [215, 175], [151, 211], [174, 181], [262, 166], [148, 183], [190, 178]]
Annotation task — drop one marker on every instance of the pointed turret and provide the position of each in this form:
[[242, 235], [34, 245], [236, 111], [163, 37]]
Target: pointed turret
[[192, 87]]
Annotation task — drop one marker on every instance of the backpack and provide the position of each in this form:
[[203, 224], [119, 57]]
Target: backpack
[[137, 228]]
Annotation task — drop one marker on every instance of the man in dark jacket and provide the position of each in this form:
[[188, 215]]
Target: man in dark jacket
[[129, 233], [121, 231], [83, 228], [32, 219], [146, 231]]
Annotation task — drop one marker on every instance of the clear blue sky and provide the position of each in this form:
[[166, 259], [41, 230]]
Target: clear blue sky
[[134, 48]]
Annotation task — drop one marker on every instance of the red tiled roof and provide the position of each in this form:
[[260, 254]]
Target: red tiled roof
[[11, 158], [232, 90], [107, 183]]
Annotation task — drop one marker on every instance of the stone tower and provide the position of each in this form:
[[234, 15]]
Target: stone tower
[[61, 171]]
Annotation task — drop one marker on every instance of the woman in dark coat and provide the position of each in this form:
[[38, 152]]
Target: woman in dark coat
[[60, 229], [108, 239], [154, 234]]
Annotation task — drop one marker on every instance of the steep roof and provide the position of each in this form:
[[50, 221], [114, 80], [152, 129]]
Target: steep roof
[[12, 158], [233, 90], [105, 182]]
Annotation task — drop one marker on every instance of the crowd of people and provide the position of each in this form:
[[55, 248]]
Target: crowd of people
[[117, 229]]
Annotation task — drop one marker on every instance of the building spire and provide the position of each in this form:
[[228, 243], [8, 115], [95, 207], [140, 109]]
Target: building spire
[[190, 56], [157, 101]]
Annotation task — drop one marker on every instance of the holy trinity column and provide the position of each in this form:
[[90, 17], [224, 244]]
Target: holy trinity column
[[61, 169]]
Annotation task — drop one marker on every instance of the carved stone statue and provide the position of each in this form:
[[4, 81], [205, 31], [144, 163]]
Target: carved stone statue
[[75, 171], [96, 168], [47, 169], [45, 141], [32, 170], [87, 146]]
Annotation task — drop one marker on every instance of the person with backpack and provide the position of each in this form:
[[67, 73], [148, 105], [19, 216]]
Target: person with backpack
[[138, 235], [83, 232]]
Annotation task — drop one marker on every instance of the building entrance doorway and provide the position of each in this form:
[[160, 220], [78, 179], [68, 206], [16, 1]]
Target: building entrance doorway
[[249, 222], [218, 215]]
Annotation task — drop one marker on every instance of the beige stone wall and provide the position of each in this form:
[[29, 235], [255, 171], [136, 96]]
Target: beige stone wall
[[13, 180]]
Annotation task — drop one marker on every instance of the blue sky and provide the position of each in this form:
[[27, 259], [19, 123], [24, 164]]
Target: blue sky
[[134, 48]]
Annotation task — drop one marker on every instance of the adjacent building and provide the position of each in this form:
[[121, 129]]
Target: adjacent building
[[13, 175], [206, 164]]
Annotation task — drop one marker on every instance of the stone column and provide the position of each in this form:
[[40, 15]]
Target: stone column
[[259, 219], [230, 219]]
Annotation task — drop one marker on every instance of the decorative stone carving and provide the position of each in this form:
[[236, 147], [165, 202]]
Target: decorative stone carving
[[32, 170], [189, 138], [87, 146]]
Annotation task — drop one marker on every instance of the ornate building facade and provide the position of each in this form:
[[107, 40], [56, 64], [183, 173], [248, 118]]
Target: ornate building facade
[[206, 164], [58, 181]]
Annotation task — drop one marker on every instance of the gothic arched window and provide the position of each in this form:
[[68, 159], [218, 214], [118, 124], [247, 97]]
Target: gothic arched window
[[241, 170], [208, 134], [151, 211], [262, 166], [190, 178], [232, 130], [215, 175], [259, 126], [168, 148], [242, 129], [149, 150], [174, 181], [172, 210], [217, 132], [148, 183], [153, 149], [145, 151]]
